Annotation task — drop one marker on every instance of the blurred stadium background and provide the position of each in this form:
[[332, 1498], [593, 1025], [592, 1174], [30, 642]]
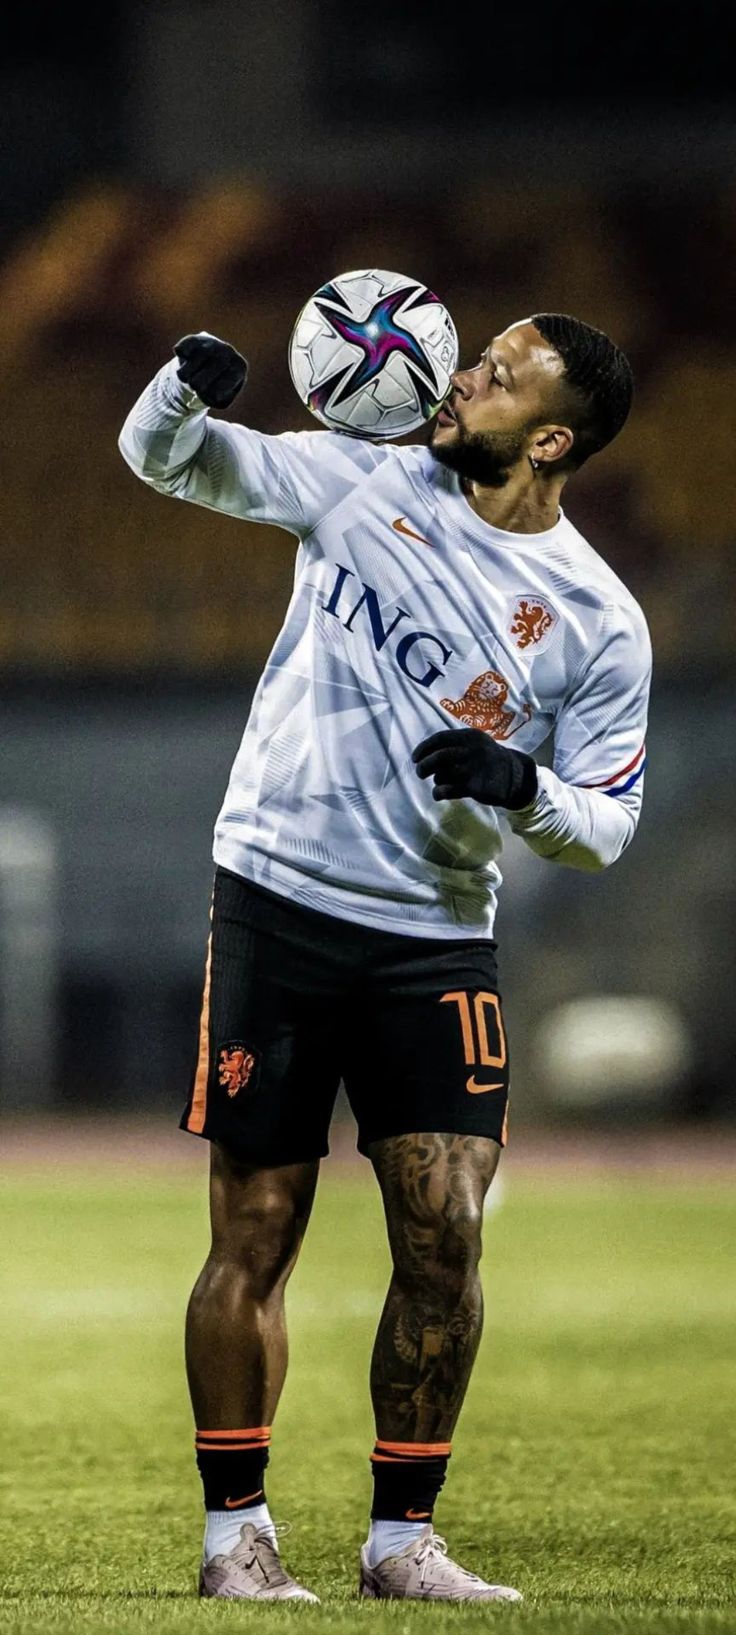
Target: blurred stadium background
[[184, 166], [190, 164]]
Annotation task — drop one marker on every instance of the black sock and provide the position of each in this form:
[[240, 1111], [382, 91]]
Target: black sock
[[407, 1477], [231, 1465]]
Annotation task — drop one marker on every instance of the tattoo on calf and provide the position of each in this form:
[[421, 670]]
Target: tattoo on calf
[[433, 1188]]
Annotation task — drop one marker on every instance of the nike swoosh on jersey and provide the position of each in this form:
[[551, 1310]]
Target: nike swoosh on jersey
[[399, 523], [235, 1504], [480, 1089]]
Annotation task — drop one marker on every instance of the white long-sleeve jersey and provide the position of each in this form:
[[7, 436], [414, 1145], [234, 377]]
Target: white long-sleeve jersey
[[408, 614]]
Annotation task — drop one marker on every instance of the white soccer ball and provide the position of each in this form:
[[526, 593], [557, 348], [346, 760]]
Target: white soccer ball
[[372, 354]]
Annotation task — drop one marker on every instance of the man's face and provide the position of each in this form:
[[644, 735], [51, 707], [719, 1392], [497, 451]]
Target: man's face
[[486, 426]]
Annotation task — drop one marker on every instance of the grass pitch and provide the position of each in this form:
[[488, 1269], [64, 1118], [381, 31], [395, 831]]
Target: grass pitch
[[593, 1465]]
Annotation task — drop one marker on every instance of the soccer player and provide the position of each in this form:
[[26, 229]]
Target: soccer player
[[446, 618]]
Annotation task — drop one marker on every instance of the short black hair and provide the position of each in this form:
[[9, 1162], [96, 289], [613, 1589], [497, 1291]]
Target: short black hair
[[600, 376]]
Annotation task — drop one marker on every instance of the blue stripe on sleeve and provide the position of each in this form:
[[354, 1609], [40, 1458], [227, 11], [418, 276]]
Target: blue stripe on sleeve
[[632, 780]]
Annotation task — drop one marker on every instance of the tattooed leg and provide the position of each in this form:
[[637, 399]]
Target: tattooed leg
[[433, 1189]]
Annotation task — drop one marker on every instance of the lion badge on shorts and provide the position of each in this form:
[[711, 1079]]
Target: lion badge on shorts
[[236, 1066]]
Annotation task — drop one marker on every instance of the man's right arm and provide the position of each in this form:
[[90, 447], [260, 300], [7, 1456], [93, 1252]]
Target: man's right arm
[[293, 480]]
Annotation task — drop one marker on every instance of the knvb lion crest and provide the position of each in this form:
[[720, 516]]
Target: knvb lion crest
[[483, 705], [533, 619], [235, 1066]]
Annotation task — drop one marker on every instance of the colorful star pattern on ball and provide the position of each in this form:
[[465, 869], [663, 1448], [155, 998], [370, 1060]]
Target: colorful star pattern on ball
[[378, 336]]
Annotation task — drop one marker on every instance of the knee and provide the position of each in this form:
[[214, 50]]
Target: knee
[[260, 1238], [440, 1253]]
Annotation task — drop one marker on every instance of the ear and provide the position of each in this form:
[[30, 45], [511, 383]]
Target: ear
[[551, 443]]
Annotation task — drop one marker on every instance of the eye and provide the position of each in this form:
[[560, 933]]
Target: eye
[[484, 360]]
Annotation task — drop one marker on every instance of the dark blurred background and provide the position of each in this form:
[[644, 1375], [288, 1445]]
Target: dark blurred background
[[207, 164]]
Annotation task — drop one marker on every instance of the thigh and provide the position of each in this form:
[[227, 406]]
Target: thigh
[[251, 1205], [426, 1044], [268, 1066], [433, 1187]]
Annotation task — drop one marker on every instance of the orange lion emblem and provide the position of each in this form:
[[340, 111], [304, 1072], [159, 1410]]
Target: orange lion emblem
[[482, 705], [531, 622], [235, 1067]]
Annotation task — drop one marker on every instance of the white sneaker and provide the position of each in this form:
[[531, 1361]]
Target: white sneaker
[[425, 1572], [251, 1571]]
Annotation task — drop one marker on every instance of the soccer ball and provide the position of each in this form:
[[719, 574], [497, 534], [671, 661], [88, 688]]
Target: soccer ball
[[372, 354]]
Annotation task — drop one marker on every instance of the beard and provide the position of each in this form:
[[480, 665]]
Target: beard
[[484, 457]]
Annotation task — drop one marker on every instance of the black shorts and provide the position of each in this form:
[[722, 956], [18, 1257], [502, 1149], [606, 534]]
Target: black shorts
[[296, 1001]]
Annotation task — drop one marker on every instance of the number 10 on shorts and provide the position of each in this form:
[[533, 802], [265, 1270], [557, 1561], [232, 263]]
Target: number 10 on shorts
[[475, 1012]]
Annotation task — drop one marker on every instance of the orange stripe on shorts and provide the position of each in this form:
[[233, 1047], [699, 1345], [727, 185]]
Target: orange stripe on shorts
[[198, 1110]]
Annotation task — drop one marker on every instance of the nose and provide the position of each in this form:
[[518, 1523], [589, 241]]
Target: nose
[[461, 384]]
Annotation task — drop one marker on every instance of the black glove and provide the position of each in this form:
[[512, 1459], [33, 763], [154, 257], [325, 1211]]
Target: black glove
[[213, 369], [467, 762]]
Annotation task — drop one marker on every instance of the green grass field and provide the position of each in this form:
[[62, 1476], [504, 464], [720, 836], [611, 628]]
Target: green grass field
[[593, 1465]]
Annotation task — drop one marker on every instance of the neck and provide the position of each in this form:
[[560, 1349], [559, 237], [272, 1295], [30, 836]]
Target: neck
[[527, 503]]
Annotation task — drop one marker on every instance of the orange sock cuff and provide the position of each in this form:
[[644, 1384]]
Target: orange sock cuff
[[399, 1452], [232, 1465], [234, 1441], [407, 1477]]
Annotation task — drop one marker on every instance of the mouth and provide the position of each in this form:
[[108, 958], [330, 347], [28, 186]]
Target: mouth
[[446, 416]]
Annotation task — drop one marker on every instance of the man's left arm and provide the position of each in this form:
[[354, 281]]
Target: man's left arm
[[587, 808], [583, 812]]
